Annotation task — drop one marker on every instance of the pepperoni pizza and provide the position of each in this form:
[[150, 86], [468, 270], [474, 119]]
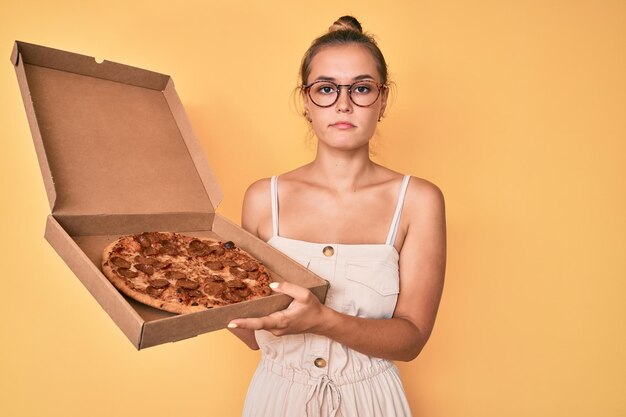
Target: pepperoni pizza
[[183, 274]]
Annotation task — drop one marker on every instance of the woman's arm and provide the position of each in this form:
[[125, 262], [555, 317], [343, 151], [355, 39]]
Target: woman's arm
[[422, 269], [256, 207]]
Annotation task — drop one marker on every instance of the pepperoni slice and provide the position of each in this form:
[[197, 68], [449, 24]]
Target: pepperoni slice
[[217, 249], [198, 248], [244, 292], [121, 262], [214, 289], [230, 295], [144, 240], [215, 278], [159, 283], [214, 265], [175, 275], [143, 260], [238, 273], [236, 283], [169, 249], [155, 292], [187, 284], [161, 265], [254, 274], [146, 269], [127, 273], [150, 251], [249, 266]]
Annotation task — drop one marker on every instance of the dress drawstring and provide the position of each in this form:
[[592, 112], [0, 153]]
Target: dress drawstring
[[324, 391]]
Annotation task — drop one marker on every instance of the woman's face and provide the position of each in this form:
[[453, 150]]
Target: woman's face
[[344, 125]]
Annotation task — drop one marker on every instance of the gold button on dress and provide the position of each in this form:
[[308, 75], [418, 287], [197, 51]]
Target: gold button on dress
[[320, 362]]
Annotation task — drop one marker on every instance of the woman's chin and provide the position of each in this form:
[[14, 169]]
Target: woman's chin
[[343, 144]]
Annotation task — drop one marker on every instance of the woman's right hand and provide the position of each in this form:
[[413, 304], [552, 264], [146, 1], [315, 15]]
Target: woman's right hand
[[305, 314]]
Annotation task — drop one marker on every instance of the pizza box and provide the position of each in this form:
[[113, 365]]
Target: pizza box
[[118, 156]]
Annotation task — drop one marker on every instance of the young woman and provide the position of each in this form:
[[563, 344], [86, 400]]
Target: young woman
[[377, 236]]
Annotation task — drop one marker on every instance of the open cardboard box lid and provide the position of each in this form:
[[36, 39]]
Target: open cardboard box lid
[[118, 155], [111, 139]]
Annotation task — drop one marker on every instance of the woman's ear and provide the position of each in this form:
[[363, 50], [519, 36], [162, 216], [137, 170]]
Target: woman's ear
[[306, 113], [383, 102]]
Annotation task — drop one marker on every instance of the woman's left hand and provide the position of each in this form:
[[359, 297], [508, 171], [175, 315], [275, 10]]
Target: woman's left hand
[[305, 314]]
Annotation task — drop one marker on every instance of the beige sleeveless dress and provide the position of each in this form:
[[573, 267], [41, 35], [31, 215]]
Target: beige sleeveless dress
[[307, 375]]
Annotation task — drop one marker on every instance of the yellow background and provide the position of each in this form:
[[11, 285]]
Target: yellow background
[[516, 109]]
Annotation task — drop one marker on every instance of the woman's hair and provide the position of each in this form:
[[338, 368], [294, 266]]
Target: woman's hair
[[346, 30]]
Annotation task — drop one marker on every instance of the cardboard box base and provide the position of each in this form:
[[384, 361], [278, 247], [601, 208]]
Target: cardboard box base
[[146, 326]]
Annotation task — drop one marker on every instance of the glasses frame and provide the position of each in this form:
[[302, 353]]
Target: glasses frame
[[307, 89]]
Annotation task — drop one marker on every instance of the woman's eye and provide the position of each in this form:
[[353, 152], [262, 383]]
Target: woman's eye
[[326, 89], [361, 89]]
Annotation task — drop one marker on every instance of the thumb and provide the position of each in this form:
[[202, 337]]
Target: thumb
[[295, 291]]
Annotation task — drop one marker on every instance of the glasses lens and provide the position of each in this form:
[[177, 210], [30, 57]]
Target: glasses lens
[[323, 93], [364, 93]]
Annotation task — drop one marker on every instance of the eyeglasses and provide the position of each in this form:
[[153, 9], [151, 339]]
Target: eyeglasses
[[361, 93]]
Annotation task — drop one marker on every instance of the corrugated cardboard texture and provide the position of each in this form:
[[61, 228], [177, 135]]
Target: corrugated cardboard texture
[[114, 147]]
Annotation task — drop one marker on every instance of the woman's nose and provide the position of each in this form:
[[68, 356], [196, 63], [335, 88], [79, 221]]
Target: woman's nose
[[344, 104]]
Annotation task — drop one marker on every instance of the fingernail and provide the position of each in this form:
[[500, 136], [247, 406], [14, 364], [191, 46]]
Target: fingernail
[[232, 325], [273, 285]]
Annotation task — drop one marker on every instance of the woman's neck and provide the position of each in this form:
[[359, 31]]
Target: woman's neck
[[342, 170]]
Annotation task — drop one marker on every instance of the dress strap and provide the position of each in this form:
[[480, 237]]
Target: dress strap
[[274, 195], [393, 229]]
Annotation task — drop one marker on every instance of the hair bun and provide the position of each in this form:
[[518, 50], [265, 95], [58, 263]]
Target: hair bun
[[346, 23]]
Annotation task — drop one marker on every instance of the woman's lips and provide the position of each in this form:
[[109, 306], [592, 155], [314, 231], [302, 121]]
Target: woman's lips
[[342, 125]]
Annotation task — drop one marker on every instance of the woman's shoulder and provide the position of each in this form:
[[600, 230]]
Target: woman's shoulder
[[258, 194], [423, 188], [256, 215], [418, 188], [256, 207], [260, 189], [423, 213], [423, 197], [296, 174], [259, 186]]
